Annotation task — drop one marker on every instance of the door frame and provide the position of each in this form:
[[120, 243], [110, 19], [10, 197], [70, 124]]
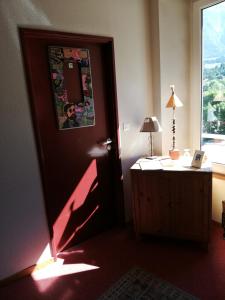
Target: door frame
[[108, 43]]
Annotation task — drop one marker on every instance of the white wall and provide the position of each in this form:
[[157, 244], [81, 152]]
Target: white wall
[[23, 229], [170, 35], [156, 76], [174, 29]]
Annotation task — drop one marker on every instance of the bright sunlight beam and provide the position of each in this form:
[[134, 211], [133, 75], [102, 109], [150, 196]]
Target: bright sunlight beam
[[45, 277], [75, 201], [58, 269]]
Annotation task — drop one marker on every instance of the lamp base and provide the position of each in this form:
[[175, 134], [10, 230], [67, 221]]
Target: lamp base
[[174, 154]]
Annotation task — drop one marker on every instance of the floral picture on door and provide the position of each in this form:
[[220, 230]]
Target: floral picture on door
[[72, 86]]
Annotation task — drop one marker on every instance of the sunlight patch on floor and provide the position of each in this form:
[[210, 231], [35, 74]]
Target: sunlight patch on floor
[[46, 277], [58, 269]]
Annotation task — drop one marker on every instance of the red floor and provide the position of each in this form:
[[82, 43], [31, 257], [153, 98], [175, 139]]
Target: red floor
[[115, 252]]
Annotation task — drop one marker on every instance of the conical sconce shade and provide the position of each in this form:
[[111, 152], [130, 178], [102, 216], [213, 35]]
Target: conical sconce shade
[[174, 101]]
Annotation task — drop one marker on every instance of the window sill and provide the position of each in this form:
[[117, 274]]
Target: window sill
[[218, 168]]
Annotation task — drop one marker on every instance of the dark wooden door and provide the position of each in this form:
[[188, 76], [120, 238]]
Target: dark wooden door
[[81, 176]]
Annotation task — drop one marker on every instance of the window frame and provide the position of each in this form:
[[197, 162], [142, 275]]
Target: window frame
[[196, 77]]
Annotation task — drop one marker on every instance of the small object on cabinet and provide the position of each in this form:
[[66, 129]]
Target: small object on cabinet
[[197, 159]]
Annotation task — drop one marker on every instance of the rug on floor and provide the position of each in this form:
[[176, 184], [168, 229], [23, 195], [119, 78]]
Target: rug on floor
[[140, 285]]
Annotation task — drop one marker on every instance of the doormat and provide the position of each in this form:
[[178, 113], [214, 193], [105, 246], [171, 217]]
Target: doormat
[[140, 285]]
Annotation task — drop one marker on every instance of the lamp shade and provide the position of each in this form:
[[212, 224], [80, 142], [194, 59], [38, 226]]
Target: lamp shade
[[174, 101], [151, 124]]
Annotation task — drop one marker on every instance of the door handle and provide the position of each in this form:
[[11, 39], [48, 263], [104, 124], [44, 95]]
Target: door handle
[[107, 144]]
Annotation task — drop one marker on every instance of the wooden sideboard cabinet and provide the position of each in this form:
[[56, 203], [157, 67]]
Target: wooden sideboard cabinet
[[172, 203]]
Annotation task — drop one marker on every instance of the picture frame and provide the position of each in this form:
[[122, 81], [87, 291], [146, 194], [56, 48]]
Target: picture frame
[[71, 78], [197, 159]]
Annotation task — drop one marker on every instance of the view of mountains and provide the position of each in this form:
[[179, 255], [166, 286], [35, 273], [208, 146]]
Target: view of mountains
[[213, 83], [214, 32]]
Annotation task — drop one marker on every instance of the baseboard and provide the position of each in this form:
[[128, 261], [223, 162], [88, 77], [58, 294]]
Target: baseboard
[[26, 272]]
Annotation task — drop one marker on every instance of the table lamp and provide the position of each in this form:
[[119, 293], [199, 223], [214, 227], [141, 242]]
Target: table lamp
[[174, 102], [151, 124]]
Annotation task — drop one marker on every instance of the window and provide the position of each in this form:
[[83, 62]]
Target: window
[[213, 82], [207, 88]]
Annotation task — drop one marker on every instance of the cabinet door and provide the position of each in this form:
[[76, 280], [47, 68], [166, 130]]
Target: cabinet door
[[190, 205], [154, 203]]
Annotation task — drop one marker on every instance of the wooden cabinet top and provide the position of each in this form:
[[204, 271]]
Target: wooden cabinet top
[[166, 165]]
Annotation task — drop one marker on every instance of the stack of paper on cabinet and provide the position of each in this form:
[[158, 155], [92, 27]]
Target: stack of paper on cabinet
[[147, 164]]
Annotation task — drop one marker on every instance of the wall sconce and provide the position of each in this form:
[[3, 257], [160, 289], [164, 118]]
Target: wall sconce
[[174, 102], [151, 124]]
